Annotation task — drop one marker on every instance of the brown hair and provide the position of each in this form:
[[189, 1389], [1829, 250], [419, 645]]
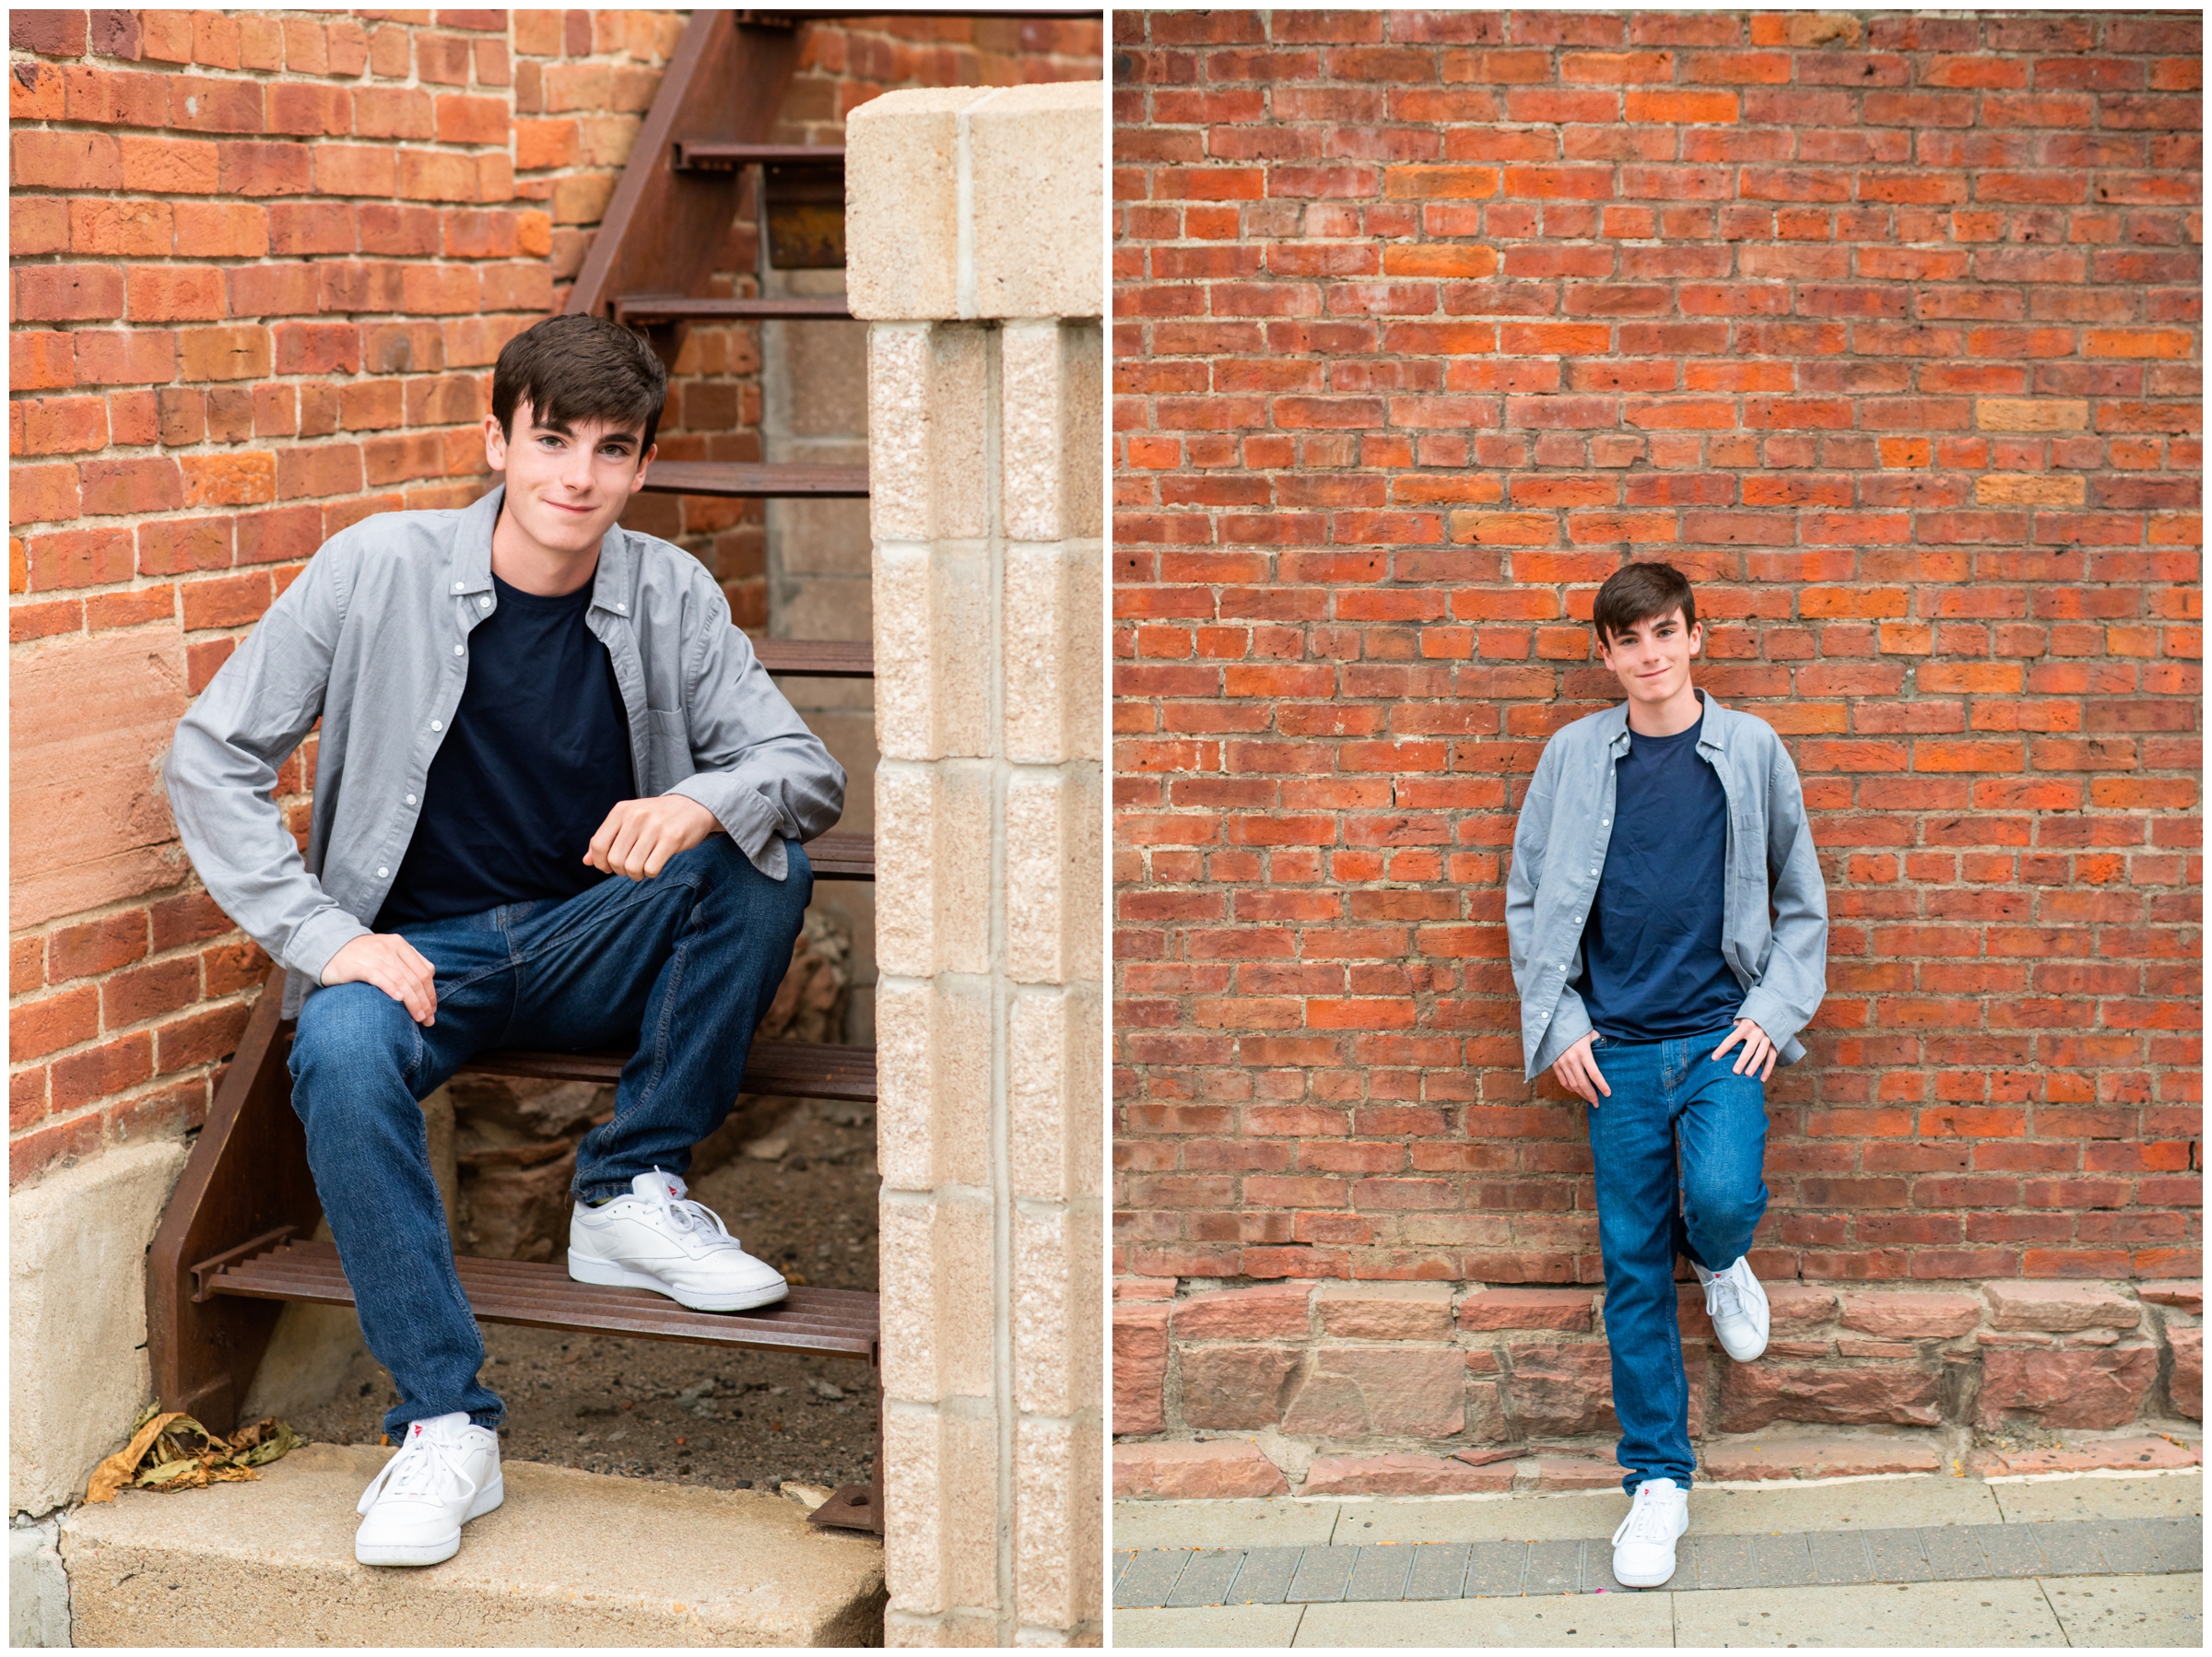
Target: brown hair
[[1641, 592], [573, 368]]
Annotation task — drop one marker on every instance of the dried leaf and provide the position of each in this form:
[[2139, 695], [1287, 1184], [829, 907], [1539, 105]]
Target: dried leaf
[[114, 1473], [175, 1453]]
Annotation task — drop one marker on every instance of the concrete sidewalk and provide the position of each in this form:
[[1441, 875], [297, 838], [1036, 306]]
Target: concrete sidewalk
[[2075, 1559]]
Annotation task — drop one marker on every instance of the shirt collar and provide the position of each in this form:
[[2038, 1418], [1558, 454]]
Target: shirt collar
[[1714, 735], [471, 566]]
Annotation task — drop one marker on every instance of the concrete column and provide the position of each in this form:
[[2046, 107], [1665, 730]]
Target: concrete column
[[974, 241]]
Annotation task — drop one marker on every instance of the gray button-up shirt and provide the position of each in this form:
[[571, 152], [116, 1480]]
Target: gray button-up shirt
[[1559, 852], [372, 640]]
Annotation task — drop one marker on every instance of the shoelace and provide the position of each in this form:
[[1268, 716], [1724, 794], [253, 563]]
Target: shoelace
[[1645, 1523], [697, 1218], [424, 1467], [1721, 1294]]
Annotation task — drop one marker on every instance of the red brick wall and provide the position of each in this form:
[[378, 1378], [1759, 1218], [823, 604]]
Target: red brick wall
[[261, 267], [1885, 330]]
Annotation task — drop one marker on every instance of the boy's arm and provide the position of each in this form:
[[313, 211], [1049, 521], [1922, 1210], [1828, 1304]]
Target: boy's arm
[[1531, 833], [221, 775], [1789, 992], [763, 774]]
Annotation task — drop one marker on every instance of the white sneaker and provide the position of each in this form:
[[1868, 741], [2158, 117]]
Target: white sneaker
[[445, 1473], [1738, 1307], [652, 1238], [1643, 1548]]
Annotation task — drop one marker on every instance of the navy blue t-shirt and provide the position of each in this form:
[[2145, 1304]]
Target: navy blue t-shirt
[[1652, 962], [538, 755]]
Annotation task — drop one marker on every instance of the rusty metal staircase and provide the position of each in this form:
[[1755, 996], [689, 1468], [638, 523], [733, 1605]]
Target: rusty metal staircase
[[235, 1241]]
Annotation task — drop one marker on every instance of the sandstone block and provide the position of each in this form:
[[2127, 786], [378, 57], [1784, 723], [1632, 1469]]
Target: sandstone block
[[89, 720], [1401, 1473], [1236, 1386], [2060, 1306], [1561, 1391], [1049, 473], [1058, 1521], [1911, 1317], [1056, 1309], [572, 1559], [76, 1367], [2188, 1296], [1054, 1086], [1564, 1309], [1271, 1310], [1777, 1455], [1037, 182], [1752, 1395], [1054, 874], [1794, 1305], [902, 219], [1354, 1392], [1185, 1472], [2078, 1387], [1140, 1366], [1578, 1473], [2133, 1454], [1051, 641], [1385, 1311], [2186, 1387], [1490, 1453]]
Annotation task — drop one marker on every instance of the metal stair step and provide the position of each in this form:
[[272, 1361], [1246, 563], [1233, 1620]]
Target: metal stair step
[[842, 856], [754, 481], [673, 307], [831, 1070], [829, 1323], [707, 154], [818, 658]]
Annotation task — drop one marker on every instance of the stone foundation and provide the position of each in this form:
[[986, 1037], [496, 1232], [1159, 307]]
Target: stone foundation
[[1340, 1388]]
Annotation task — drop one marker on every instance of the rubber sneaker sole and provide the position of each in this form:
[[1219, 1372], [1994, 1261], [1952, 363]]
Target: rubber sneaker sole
[[436, 1552], [613, 1273], [1642, 1579], [1753, 1348]]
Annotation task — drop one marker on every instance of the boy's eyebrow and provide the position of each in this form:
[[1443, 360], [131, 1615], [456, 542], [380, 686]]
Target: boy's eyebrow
[[563, 428]]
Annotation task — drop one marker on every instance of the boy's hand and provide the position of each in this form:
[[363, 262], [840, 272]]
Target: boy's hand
[[1758, 1055], [1577, 1071], [394, 966], [640, 836]]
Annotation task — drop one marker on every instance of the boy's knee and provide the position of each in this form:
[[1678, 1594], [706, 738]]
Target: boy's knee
[[352, 1029], [1725, 1211]]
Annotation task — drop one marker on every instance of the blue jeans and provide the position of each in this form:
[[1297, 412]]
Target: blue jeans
[[1668, 1094], [685, 963]]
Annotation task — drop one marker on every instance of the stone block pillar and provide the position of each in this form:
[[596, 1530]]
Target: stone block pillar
[[974, 232]]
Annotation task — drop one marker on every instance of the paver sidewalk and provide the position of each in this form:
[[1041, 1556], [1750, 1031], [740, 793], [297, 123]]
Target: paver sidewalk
[[2087, 1561]]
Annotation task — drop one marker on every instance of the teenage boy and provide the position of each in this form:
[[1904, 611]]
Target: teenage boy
[[1654, 985], [558, 803]]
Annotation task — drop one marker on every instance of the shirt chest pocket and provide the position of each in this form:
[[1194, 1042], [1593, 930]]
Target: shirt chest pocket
[[670, 758]]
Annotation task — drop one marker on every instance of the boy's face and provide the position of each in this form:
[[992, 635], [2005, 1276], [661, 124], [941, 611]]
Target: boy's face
[[566, 485], [1652, 659]]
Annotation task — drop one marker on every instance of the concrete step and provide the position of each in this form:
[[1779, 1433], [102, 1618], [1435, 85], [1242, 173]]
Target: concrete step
[[572, 1558]]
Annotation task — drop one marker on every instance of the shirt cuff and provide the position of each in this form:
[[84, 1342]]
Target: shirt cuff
[[745, 816], [320, 937]]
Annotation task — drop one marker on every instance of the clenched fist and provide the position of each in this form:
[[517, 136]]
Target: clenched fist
[[640, 836]]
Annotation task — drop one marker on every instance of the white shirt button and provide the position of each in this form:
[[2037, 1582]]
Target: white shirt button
[[459, 652], [622, 609], [456, 586], [436, 725], [483, 603], [410, 799], [380, 873]]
